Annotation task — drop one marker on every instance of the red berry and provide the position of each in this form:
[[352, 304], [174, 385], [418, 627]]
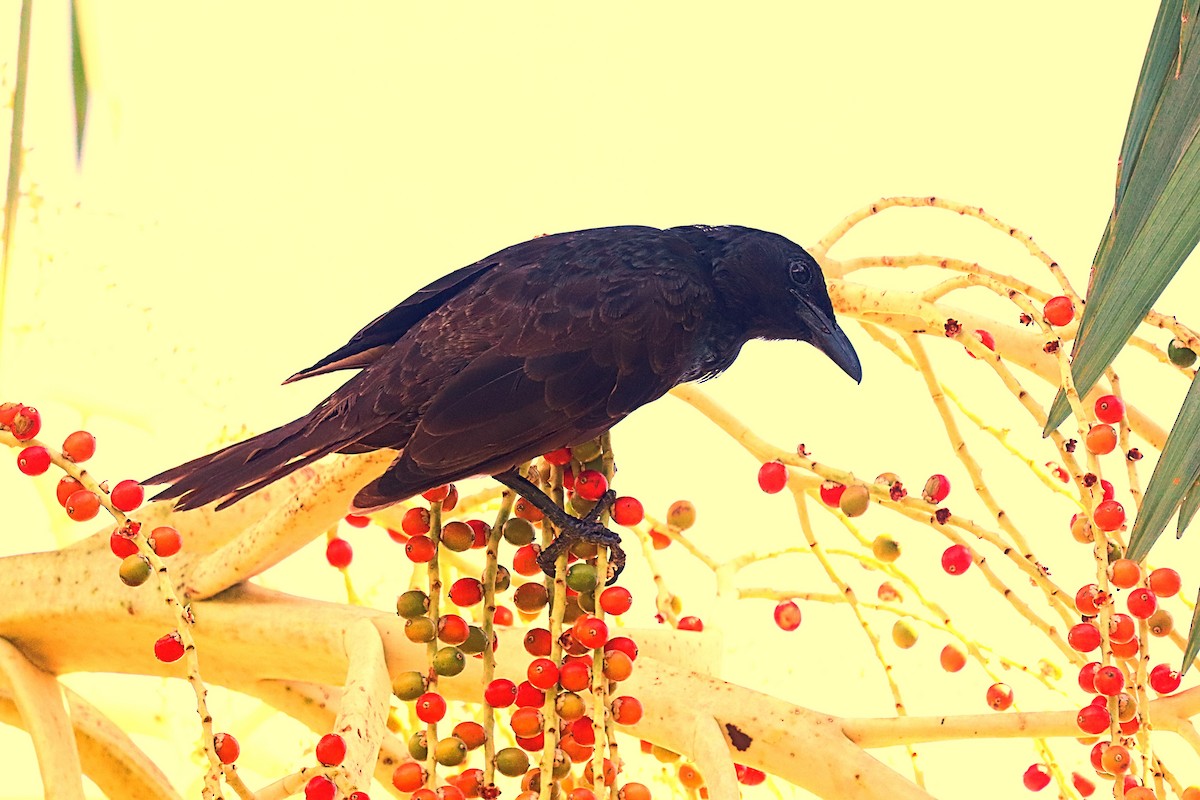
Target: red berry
[[542, 673], [1084, 637], [1082, 785], [1124, 573], [1141, 603], [500, 693], [1121, 629], [660, 540], [575, 676], [1109, 515], [437, 493], [483, 531], [503, 616], [453, 629], [331, 749], [627, 511], [357, 520], [1086, 600], [415, 521], [986, 338], [1059, 311], [419, 549], [1107, 490], [999, 696], [33, 460], [590, 484], [1036, 778], [749, 776], [1101, 439], [937, 489], [65, 488], [772, 477], [1093, 719], [1165, 582], [25, 423], [538, 642], [8, 411], [79, 446], [127, 495], [831, 493], [626, 710], [1127, 649], [560, 457], [165, 541], [226, 747], [956, 559], [589, 631], [952, 658], [526, 722], [431, 707], [1110, 409], [624, 644], [169, 648], [320, 788], [1087, 676], [1109, 680], [529, 696], [1164, 680], [524, 561], [82, 505], [616, 600], [787, 615], [338, 553], [122, 546], [466, 592], [690, 624], [409, 776]]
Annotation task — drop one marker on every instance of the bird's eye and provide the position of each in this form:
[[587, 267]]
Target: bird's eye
[[801, 272]]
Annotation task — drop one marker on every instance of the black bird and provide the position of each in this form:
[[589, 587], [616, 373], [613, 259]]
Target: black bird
[[543, 345]]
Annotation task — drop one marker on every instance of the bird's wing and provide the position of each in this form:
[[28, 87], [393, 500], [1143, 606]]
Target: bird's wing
[[583, 352]]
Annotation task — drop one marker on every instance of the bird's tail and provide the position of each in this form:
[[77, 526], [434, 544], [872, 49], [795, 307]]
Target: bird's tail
[[236, 471]]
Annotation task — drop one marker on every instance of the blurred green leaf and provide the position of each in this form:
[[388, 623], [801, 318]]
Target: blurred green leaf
[[1155, 222], [79, 81], [1187, 510], [1174, 476], [12, 192], [1193, 641]]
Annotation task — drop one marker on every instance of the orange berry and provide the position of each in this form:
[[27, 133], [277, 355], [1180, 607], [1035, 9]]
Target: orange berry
[[1101, 439]]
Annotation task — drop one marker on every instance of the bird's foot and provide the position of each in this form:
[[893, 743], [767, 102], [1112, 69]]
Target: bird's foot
[[586, 529]]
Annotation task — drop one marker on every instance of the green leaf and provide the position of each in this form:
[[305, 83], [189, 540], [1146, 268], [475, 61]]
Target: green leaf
[[1174, 475], [1155, 221], [79, 81], [1187, 510], [1193, 640], [12, 192]]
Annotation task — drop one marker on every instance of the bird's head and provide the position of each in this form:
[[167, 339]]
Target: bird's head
[[781, 291]]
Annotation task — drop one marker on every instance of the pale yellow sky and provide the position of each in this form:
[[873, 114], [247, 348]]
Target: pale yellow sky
[[260, 180]]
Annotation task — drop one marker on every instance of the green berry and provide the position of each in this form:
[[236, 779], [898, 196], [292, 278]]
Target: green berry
[[855, 500], [582, 578], [904, 634], [518, 531], [681, 515], [512, 761], [417, 748], [135, 570], [1180, 354], [409, 686], [413, 603], [450, 752], [449, 661], [420, 630], [885, 548]]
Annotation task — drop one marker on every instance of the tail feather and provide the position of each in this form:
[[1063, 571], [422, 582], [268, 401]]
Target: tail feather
[[236, 471]]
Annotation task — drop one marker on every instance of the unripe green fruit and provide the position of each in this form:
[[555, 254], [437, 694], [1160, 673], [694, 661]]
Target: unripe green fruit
[[457, 536], [582, 577], [681, 515], [503, 578], [586, 451], [518, 531], [413, 603], [410, 685], [904, 634], [1180, 354], [417, 747], [581, 506], [476, 641], [449, 661], [134, 570], [885, 548], [530, 597], [450, 752], [512, 761], [855, 500], [420, 630]]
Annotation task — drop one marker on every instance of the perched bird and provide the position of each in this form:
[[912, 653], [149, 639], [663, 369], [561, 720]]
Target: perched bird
[[543, 345]]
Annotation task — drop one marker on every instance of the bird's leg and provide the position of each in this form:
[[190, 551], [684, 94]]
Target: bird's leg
[[570, 529]]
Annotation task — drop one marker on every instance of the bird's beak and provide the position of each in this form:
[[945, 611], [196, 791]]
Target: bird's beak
[[830, 339]]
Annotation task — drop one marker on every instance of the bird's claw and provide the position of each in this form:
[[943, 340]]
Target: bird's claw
[[586, 530]]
